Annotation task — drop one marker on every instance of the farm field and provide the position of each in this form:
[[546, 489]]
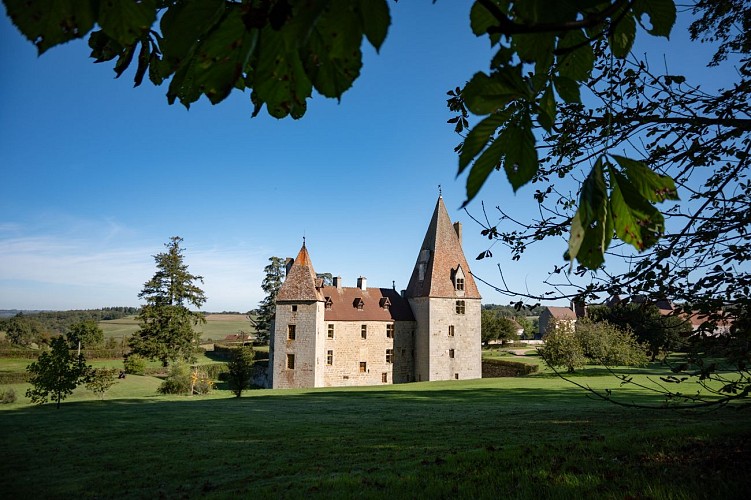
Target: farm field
[[527, 437], [217, 326]]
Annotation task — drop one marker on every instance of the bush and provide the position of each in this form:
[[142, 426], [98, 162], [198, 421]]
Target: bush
[[594, 343], [7, 396], [181, 378], [493, 368], [240, 370], [134, 364], [100, 380], [14, 377]]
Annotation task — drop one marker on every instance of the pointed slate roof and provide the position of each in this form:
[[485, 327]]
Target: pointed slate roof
[[440, 256], [300, 284]]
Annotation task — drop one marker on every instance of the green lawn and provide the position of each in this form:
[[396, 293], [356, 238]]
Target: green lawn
[[526, 437], [217, 326]]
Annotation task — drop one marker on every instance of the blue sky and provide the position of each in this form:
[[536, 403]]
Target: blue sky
[[96, 175]]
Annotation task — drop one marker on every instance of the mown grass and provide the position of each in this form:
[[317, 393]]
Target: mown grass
[[529, 437]]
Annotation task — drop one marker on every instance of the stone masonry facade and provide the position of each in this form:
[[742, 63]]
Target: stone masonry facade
[[327, 336]]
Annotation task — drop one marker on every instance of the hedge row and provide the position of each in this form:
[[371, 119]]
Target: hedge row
[[493, 368], [14, 377], [224, 351], [87, 353]]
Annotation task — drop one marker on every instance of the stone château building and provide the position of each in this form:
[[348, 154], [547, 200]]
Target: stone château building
[[334, 335]]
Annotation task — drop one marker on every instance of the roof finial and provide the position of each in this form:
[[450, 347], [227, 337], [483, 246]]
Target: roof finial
[[440, 193], [303, 238]]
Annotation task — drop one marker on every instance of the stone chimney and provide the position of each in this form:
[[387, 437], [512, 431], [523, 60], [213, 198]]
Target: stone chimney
[[580, 308], [458, 229], [338, 282], [362, 283]]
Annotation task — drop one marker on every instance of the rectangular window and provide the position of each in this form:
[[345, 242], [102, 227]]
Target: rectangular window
[[451, 353], [456, 376], [364, 332], [294, 308], [460, 307], [390, 330], [329, 358], [460, 284], [291, 332], [290, 361], [451, 330], [363, 367], [385, 378], [331, 331], [389, 355]]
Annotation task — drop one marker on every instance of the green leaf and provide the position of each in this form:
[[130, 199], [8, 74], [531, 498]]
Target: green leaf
[[547, 109], [520, 160], [126, 21], [332, 58], [104, 48], [622, 37], [278, 78], [533, 47], [481, 19], [481, 169], [662, 15], [649, 184], [183, 25], [568, 89], [592, 225], [47, 23], [216, 63], [575, 64], [485, 94], [637, 222], [376, 19], [478, 137]]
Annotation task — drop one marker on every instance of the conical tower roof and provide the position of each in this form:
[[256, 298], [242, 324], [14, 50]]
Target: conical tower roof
[[440, 257], [300, 284]]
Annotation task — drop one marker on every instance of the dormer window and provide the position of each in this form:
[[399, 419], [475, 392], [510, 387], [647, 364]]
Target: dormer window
[[359, 303], [458, 277], [385, 303], [329, 303]]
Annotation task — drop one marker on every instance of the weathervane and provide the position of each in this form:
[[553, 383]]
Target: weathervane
[[440, 193]]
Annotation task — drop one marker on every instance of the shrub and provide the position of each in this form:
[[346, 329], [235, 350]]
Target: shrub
[[562, 348], [181, 378], [100, 380], [7, 396], [240, 370], [134, 364], [14, 377]]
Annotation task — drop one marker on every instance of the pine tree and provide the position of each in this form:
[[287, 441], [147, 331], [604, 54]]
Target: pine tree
[[271, 284], [166, 324]]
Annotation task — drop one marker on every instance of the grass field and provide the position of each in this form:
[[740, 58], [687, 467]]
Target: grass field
[[217, 326], [527, 437]]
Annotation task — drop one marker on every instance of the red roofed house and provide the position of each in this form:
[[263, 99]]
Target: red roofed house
[[338, 336], [556, 317]]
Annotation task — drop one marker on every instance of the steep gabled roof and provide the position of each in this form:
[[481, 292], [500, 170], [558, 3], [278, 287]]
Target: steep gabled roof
[[300, 283], [440, 256]]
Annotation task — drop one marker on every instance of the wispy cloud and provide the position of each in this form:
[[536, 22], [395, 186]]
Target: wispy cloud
[[72, 270]]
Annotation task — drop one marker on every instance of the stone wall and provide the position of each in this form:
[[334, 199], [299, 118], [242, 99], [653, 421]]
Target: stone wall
[[308, 322], [458, 356], [349, 350]]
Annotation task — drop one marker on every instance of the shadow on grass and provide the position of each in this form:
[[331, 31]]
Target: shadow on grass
[[471, 439]]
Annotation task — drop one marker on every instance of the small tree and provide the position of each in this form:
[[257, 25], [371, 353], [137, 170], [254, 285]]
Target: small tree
[[100, 380], [134, 364], [56, 373], [496, 327], [85, 334], [240, 369], [166, 324], [562, 347]]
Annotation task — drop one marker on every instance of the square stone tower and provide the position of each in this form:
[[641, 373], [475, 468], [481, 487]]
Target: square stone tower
[[445, 302]]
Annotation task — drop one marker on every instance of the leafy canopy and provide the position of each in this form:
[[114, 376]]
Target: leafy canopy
[[55, 373]]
